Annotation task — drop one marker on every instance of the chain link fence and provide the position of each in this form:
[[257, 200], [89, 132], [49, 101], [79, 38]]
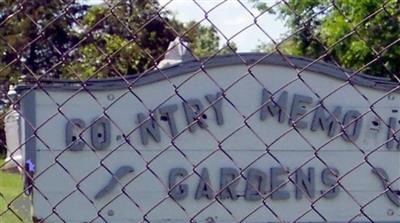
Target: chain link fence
[[120, 112]]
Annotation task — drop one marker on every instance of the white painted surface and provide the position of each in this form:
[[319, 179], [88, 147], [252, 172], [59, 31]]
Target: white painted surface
[[13, 129], [58, 181]]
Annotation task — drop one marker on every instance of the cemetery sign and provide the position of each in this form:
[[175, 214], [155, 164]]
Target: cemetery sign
[[261, 141]]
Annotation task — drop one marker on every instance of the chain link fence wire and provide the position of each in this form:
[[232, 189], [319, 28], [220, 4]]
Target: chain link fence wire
[[43, 42]]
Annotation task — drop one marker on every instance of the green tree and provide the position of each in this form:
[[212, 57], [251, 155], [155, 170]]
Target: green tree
[[119, 41], [34, 37], [137, 35], [70, 39], [355, 32]]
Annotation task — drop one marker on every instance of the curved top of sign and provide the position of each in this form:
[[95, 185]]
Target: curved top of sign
[[193, 65]]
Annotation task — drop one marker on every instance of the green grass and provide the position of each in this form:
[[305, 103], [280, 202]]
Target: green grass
[[10, 188]]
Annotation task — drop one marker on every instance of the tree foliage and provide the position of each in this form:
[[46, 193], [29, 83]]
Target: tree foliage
[[73, 40], [353, 32], [34, 37]]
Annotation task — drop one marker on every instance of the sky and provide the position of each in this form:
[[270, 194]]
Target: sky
[[230, 18]]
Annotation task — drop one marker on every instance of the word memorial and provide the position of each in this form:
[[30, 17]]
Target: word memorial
[[271, 147]]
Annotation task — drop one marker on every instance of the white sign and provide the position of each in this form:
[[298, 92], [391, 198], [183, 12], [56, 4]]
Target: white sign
[[226, 144]]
